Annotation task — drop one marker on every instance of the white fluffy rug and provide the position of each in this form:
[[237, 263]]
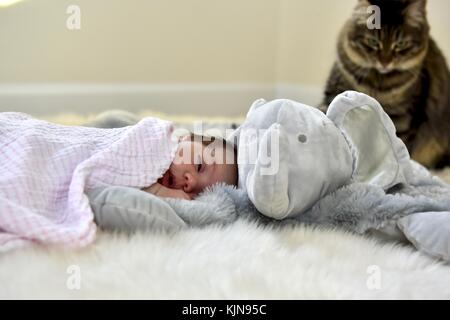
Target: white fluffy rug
[[240, 261]]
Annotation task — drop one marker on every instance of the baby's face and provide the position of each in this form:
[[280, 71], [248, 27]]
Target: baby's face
[[196, 167]]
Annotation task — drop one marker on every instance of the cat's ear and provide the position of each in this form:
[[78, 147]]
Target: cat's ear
[[416, 13]]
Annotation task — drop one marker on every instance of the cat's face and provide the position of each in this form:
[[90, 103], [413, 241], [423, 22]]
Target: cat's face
[[400, 44]]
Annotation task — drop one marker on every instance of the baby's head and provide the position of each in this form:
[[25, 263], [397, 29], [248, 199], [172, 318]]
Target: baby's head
[[200, 162]]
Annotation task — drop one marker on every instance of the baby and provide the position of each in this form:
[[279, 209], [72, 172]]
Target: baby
[[199, 162]]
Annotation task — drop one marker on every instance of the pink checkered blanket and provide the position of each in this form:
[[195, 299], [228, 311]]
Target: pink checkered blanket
[[45, 170]]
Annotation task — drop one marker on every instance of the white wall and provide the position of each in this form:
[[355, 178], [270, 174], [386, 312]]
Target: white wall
[[139, 41], [207, 57], [308, 33]]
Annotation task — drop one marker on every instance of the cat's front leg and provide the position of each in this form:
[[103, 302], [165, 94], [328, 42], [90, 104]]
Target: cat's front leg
[[427, 148]]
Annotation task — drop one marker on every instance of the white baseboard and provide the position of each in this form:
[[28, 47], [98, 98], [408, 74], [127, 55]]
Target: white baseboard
[[207, 99]]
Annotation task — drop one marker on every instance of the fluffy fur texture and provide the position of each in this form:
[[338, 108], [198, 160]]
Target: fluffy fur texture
[[401, 66], [239, 261], [356, 207]]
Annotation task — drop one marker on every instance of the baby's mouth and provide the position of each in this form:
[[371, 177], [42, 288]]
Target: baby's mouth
[[165, 179], [171, 180]]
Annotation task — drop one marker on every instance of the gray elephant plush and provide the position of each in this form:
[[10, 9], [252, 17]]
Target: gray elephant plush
[[290, 155]]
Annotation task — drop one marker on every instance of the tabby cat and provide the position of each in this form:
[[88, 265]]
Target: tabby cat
[[401, 66]]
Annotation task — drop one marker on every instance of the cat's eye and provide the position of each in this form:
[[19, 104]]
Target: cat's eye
[[401, 45], [373, 43]]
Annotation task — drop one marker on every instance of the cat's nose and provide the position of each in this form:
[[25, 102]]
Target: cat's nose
[[384, 67]]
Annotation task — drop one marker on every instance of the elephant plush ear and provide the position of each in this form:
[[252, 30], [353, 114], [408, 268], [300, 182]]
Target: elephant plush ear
[[234, 137], [267, 181], [255, 105], [380, 157]]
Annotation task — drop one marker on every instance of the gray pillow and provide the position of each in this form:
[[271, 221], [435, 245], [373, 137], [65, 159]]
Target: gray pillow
[[429, 232], [130, 209]]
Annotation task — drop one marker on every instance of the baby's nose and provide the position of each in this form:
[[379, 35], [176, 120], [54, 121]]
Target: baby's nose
[[190, 182]]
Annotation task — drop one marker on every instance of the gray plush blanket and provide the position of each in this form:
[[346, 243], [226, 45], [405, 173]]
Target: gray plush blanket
[[356, 207]]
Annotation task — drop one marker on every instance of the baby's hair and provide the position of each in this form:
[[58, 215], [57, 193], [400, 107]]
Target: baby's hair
[[207, 140]]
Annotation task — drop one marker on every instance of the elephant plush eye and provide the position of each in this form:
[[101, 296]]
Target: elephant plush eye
[[302, 138]]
